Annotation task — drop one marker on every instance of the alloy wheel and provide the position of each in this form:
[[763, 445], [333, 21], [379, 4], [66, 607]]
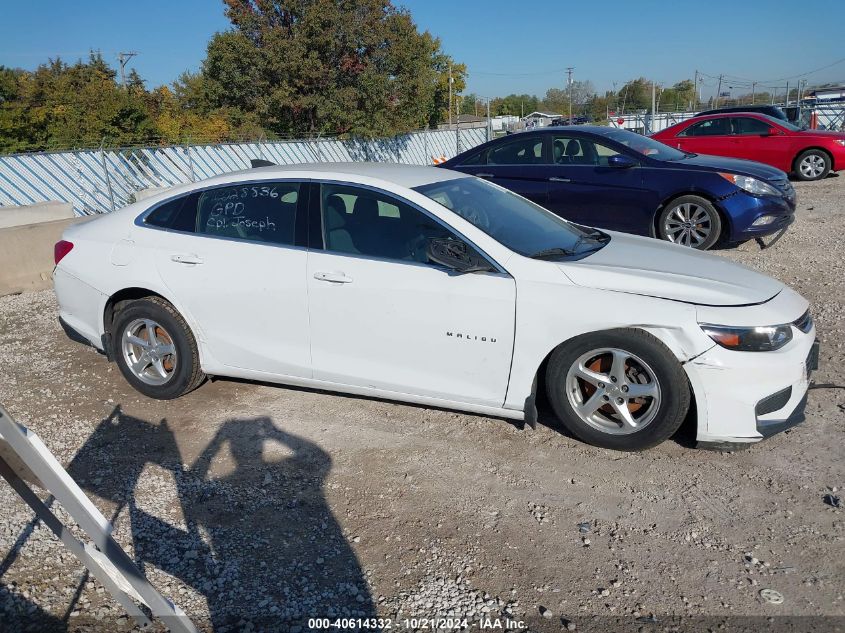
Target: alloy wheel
[[613, 391], [812, 166], [149, 351], [688, 224]]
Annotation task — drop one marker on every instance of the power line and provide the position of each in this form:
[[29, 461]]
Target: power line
[[764, 81], [531, 74]]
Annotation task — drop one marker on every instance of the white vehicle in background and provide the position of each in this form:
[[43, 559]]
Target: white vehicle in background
[[428, 286]]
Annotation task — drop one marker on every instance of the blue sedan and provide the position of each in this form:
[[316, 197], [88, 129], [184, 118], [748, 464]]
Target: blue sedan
[[614, 179]]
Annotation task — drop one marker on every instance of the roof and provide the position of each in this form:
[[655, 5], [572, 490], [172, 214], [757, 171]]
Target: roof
[[590, 129], [548, 115], [403, 175]]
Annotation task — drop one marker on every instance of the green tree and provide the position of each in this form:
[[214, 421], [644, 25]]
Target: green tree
[[517, 105], [635, 95], [557, 99], [678, 97], [322, 66]]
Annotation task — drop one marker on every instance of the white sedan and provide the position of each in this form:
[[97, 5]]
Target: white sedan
[[428, 286]]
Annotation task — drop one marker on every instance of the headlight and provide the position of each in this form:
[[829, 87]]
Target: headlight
[[839, 141], [751, 185], [764, 219], [750, 339]]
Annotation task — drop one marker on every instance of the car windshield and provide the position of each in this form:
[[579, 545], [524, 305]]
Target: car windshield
[[519, 224], [644, 145]]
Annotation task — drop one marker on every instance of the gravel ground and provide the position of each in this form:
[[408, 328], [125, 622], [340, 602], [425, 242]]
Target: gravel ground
[[254, 506]]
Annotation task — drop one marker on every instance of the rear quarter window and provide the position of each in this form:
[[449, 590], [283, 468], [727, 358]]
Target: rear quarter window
[[179, 214]]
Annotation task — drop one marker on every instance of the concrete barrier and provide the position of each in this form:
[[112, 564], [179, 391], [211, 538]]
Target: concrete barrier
[[35, 213], [26, 255]]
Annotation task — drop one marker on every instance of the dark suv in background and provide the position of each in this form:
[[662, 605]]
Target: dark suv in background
[[769, 110]]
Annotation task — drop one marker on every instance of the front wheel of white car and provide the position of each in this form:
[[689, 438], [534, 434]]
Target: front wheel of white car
[[618, 389]]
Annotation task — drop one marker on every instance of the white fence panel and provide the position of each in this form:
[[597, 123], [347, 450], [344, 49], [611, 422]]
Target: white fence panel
[[95, 181]]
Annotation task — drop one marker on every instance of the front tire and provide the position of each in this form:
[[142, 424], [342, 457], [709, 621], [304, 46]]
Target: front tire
[[155, 349], [690, 221], [814, 164], [618, 389]]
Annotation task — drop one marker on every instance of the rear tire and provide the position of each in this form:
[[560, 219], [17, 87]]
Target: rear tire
[[155, 349], [690, 221], [619, 389], [813, 164]]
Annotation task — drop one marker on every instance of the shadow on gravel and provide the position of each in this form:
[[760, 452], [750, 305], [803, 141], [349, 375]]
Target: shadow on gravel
[[17, 614], [260, 543]]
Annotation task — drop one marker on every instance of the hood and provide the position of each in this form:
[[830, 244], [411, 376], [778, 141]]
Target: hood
[[645, 266], [825, 134], [736, 166]]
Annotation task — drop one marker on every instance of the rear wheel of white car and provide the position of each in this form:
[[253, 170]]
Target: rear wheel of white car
[[814, 164], [618, 389], [690, 221], [155, 349]]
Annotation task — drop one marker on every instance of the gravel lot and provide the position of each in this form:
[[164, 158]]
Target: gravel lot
[[254, 506]]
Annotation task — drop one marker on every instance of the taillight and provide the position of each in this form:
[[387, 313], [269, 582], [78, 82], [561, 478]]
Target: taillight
[[62, 248]]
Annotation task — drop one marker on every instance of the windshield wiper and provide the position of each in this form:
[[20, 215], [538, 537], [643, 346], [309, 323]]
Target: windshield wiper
[[552, 252]]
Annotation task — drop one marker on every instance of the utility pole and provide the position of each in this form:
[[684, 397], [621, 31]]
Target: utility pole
[[753, 85], [489, 121], [695, 90], [123, 59], [719, 91], [653, 107], [787, 94], [450, 96], [569, 80]]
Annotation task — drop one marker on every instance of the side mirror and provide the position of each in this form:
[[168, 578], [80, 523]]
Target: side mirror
[[772, 131], [456, 255], [621, 161]]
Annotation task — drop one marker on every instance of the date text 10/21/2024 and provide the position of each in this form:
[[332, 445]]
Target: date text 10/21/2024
[[415, 624]]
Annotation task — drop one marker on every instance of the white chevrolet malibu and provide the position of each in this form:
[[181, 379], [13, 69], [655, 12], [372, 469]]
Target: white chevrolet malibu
[[428, 286]]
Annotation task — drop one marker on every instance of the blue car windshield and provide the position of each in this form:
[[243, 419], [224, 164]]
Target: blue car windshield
[[519, 224], [644, 145]]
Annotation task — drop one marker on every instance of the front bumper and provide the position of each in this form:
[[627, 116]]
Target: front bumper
[[743, 209], [744, 397]]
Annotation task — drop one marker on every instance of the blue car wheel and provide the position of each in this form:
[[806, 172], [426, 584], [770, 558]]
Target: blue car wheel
[[690, 221]]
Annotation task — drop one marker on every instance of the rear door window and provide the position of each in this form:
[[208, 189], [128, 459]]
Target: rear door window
[[179, 214], [711, 127], [259, 212]]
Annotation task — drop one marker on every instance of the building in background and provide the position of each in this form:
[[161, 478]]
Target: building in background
[[539, 119]]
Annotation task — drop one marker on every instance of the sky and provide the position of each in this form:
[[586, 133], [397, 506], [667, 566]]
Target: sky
[[509, 47]]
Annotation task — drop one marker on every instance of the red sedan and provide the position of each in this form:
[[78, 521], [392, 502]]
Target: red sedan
[[809, 154]]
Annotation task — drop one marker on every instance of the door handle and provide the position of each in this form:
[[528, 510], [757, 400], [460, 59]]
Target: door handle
[[557, 179], [485, 175], [334, 278], [189, 258]]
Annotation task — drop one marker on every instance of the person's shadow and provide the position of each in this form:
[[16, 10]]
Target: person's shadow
[[258, 539]]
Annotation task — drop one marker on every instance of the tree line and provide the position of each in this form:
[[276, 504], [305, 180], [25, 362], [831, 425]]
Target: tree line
[[283, 69], [586, 101]]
